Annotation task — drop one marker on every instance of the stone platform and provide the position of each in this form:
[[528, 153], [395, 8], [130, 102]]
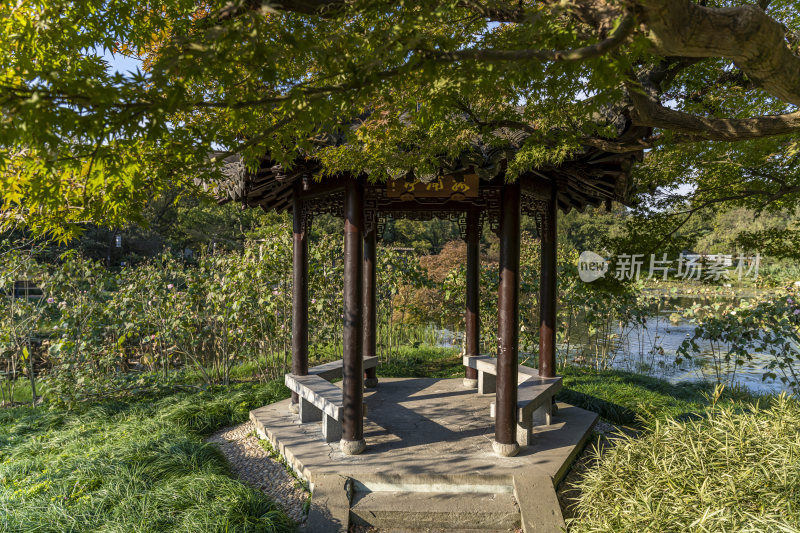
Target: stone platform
[[428, 436]]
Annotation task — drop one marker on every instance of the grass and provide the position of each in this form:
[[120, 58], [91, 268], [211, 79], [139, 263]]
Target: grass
[[735, 469], [422, 362], [142, 465], [22, 390], [138, 467], [627, 398]]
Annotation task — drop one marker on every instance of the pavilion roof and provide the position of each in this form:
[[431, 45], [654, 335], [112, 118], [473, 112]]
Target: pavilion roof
[[589, 177]]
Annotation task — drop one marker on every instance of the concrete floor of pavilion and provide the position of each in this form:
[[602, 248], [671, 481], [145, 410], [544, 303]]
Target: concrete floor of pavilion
[[423, 433]]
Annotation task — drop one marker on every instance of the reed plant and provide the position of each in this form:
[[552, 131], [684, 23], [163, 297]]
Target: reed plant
[[736, 468]]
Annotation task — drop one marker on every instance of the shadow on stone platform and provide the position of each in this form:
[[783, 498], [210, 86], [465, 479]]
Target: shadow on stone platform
[[428, 436]]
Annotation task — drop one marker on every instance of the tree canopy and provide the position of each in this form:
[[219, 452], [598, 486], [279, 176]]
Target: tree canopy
[[710, 90]]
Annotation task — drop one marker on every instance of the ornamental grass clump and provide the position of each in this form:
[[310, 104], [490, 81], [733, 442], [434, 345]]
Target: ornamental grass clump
[[736, 469], [130, 468], [207, 411]]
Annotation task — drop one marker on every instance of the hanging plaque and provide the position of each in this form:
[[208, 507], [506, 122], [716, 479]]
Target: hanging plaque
[[456, 188]]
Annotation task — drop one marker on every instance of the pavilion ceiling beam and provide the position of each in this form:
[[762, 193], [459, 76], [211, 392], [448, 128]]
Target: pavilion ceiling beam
[[324, 187], [577, 196]]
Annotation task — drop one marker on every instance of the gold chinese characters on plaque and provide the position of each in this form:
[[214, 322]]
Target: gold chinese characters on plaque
[[454, 188]]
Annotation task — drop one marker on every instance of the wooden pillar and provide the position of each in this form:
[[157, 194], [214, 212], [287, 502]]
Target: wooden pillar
[[370, 311], [299, 292], [472, 322], [352, 442], [505, 443], [548, 289]]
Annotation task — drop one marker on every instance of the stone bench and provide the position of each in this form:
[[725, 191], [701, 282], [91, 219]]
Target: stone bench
[[333, 369], [534, 406], [534, 394], [487, 372], [321, 400]]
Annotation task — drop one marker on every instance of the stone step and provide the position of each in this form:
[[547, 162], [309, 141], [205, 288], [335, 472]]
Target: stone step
[[369, 529], [435, 511]]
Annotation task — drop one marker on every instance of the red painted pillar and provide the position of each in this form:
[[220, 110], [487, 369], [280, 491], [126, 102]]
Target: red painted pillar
[[472, 322], [352, 442], [505, 442], [548, 289], [370, 311], [299, 292]]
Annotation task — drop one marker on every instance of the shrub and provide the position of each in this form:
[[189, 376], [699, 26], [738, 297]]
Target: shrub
[[768, 324], [735, 469]]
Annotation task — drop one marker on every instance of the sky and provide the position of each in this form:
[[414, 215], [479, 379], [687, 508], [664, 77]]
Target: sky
[[121, 63]]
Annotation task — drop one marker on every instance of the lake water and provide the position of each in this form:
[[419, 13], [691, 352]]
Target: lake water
[[652, 349]]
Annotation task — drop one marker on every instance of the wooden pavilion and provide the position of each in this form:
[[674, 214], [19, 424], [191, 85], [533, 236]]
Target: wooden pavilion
[[471, 191]]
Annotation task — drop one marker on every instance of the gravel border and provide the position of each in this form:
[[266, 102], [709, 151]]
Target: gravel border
[[253, 464]]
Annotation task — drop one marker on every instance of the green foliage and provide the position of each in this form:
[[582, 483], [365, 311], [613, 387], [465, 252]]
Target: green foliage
[[423, 237], [111, 141], [719, 195], [218, 407], [83, 142], [423, 362], [146, 329], [627, 398], [735, 469], [591, 229], [768, 325], [226, 316], [774, 242], [20, 318], [136, 467]]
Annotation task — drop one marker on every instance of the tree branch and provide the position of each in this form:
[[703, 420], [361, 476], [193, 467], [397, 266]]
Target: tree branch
[[254, 140], [752, 39], [649, 112], [492, 11], [610, 145], [746, 34], [597, 49]]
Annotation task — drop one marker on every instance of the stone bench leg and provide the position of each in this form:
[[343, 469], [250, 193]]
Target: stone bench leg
[[525, 433], [331, 429], [309, 412], [543, 415], [487, 383], [370, 378]]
